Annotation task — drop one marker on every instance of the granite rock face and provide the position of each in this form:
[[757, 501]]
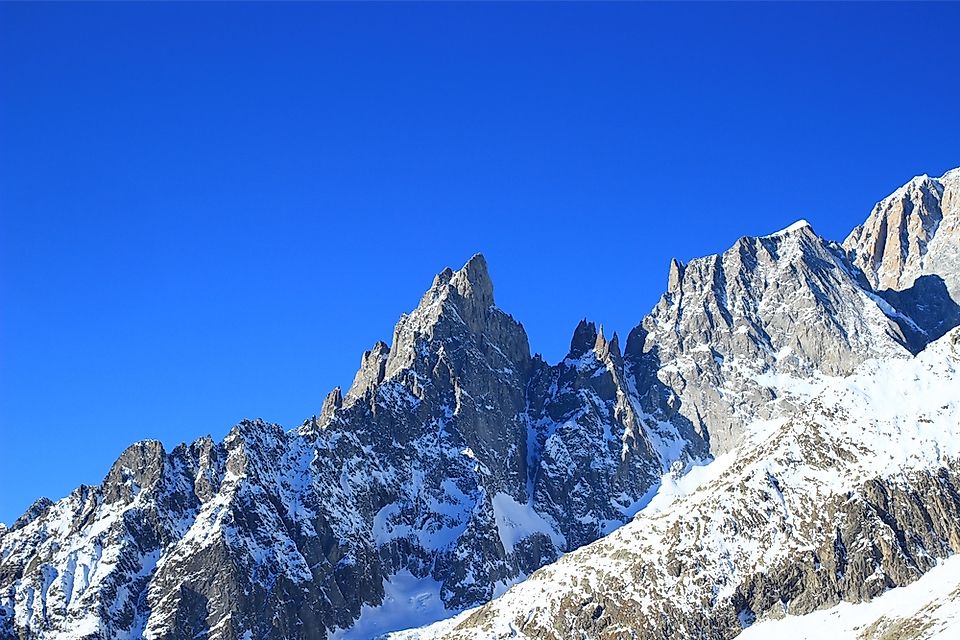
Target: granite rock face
[[595, 453], [460, 463], [913, 232], [737, 335]]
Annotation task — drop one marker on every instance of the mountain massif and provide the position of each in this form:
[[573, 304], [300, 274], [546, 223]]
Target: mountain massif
[[778, 435]]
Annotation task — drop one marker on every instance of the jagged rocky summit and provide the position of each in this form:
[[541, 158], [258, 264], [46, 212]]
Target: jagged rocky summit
[[457, 464], [912, 233], [455, 458]]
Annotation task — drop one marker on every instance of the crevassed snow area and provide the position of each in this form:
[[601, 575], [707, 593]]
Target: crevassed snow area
[[929, 608], [408, 602]]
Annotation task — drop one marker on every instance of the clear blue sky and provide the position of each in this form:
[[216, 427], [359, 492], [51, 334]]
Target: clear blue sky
[[208, 212]]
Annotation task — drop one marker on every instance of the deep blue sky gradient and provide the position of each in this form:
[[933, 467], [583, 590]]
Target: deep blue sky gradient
[[208, 212]]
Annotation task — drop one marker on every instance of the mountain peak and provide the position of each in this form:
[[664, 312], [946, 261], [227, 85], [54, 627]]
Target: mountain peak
[[607, 348], [454, 450], [799, 225], [372, 370], [584, 338], [911, 233], [951, 175], [331, 403], [675, 277], [473, 281]]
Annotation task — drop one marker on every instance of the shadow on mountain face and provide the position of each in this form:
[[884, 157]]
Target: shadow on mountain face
[[929, 305], [193, 614]]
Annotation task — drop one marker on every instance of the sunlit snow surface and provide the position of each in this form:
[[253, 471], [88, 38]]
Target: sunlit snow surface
[[516, 522], [796, 226], [408, 602]]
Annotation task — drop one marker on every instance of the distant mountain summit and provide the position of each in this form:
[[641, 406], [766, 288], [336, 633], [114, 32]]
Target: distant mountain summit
[[457, 464], [915, 231], [737, 333]]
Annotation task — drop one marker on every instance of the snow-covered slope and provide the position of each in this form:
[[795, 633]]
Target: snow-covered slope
[[928, 609], [853, 494]]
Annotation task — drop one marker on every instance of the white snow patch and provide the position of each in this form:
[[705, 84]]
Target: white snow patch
[[517, 521], [796, 226], [408, 602]]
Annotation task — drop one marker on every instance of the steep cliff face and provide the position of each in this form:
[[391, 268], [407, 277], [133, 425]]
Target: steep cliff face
[[596, 455], [915, 231], [738, 336], [928, 608], [432, 438]]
